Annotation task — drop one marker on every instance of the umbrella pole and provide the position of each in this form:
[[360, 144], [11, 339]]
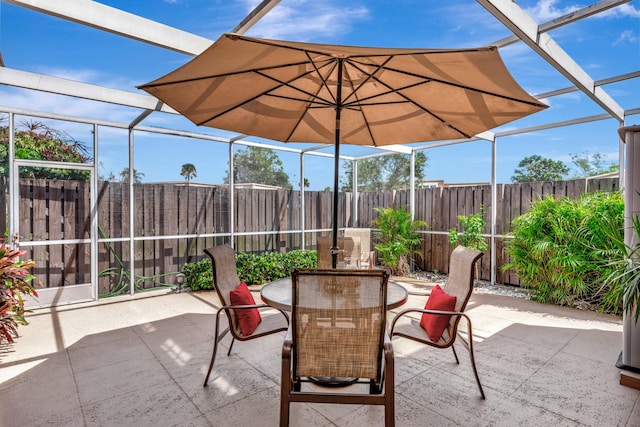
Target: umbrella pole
[[336, 168]]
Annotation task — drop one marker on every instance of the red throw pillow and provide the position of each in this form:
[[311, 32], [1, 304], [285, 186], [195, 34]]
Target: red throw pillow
[[248, 318], [435, 324]]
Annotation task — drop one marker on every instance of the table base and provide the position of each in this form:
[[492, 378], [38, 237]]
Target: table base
[[333, 382]]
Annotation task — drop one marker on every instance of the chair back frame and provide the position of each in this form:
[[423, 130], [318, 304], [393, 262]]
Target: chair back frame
[[381, 386], [349, 289], [225, 279]]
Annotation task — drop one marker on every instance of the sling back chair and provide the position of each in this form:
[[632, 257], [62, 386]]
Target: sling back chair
[[349, 250], [338, 331], [438, 326], [228, 286], [367, 256]]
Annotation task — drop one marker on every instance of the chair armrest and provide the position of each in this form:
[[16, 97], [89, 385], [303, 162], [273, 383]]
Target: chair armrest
[[425, 311], [244, 306], [420, 294], [387, 347], [287, 344], [252, 306], [407, 311]]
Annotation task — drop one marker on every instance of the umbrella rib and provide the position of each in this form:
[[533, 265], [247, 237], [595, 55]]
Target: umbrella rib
[[444, 82], [332, 62], [314, 97], [234, 73], [370, 75], [397, 91], [313, 102], [426, 80], [354, 93], [281, 83]]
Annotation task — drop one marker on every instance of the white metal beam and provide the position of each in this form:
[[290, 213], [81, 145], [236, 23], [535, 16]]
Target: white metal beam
[[560, 21], [256, 14], [62, 86], [525, 28], [98, 15], [601, 82]]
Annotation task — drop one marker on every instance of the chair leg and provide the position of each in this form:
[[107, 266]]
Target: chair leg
[[286, 385], [284, 413], [231, 346], [473, 361], [389, 413], [389, 404], [215, 347], [455, 354], [475, 372]]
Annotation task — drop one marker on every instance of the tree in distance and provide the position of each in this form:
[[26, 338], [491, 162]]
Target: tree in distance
[[587, 165], [536, 168], [137, 176], [258, 165], [384, 172], [188, 171]]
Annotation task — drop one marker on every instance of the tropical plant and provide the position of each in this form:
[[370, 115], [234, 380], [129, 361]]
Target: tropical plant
[[119, 275], [558, 248], [621, 288], [37, 141], [188, 171], [397, 238], [15, 283], [472, 229]]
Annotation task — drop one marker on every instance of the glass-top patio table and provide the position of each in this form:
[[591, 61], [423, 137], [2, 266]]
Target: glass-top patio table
[[278, 294]]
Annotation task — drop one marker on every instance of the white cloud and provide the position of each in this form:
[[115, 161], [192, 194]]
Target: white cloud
[[627, 36], [59, 104], [623, 11], [302, 19], [546, 10], [89, 76]]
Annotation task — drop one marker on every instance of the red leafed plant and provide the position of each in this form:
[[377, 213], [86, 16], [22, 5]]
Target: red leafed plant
[[15, 282]]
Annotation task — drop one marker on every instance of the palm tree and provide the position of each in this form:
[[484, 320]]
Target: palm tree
[[188, 171], [137, 176]]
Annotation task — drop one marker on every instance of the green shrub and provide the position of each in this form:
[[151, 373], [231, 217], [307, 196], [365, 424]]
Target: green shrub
[[557, 250], [397, 238], [472, 229], [252, 268], [198, 275]]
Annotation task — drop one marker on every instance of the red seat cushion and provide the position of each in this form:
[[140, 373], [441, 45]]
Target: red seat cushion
[[435, 324], [248, 318]]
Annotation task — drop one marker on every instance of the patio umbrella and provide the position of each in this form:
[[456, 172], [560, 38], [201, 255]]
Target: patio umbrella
[[305, 92]]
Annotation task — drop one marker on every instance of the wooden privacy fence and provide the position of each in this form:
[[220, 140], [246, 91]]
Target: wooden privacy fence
[[173, 223]]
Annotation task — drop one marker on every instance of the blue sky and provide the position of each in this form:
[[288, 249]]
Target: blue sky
[[604, 46]]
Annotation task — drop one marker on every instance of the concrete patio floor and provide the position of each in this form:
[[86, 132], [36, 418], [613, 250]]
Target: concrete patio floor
[[141, 362]]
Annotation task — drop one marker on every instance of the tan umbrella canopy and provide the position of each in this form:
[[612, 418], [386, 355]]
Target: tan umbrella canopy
[[305, 92]]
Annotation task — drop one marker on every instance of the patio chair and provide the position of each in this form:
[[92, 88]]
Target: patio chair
[[438, 326], [367, 256], [338, 332], [349, 251], [242, 315]]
